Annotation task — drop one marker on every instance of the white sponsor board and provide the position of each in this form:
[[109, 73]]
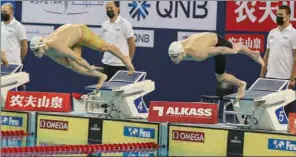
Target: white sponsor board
[[62, 12], [144, 38], [185, 35], [34, 30], [192, 15]]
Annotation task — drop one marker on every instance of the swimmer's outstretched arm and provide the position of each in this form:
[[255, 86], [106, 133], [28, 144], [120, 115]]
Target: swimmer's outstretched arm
[[116, 52], [4, 59], [67, 52]]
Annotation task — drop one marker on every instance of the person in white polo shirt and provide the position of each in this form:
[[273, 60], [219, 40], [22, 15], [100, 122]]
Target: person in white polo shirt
[[118, 31], [280, 55], [13, 36]]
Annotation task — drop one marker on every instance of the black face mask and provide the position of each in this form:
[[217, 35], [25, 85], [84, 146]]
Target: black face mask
[[5, 17], [110, 14], [280, 20]]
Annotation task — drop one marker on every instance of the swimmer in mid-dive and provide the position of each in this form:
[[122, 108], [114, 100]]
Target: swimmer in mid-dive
[[4, 59], [64, 47], [201, 46]]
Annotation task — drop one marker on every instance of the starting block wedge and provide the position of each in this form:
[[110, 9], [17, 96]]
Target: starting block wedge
[[11, 78], [121, 96], [263, 106]]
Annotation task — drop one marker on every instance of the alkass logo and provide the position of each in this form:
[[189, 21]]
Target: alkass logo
[[188, 136], [53, 124], [184, 111]]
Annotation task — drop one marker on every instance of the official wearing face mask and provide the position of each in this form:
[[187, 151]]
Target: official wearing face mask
[[118, 31], [14, 38], [14, 42], [280, 55]]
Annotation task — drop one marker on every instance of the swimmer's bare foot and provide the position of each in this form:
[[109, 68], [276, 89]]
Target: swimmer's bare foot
[[241, 90], [101, 81], [257, 57], [129, 65]]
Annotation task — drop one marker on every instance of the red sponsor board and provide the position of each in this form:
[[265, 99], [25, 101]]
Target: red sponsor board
[[252, 41], [183, 112], [255, 15], [190, 136], [38, 101], [53, 124], [292, 123]]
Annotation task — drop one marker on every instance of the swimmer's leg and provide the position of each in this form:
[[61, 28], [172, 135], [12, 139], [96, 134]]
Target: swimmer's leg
[[95, 42], [222, 76], [83, 71], [225, 47], [255, 55], [228, 78]]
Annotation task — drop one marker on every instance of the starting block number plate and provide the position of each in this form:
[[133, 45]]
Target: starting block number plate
[[141, 107], [281, 115]]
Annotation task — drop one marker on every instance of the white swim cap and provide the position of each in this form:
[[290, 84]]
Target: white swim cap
[[176, 48], [36, 42]]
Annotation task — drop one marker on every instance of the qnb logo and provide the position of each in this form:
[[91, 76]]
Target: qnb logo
[[183, 111], [139, 9], [53, 124]]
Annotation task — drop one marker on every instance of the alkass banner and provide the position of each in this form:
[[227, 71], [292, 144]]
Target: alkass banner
[[183, 112], [255, 15], [38, 101], [252, 41], [194, 15], [63, 12]]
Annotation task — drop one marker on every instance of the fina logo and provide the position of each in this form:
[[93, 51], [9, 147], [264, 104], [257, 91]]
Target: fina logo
[[139, 9], [283, 145], [139, 132]]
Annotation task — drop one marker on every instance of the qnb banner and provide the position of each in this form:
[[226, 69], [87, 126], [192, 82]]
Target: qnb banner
[[144, 38], [62, 12], [192, 15], [255, 15]]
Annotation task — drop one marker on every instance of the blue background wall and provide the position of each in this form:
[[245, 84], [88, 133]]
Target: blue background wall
[[183, 82]]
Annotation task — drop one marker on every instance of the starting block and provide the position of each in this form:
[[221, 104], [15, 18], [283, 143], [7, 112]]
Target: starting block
[[11, 78], [263, 106], [121, 96]]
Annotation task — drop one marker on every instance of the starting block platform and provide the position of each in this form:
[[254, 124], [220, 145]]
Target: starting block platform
[[262, 108], [120, 97], [12, 77]]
